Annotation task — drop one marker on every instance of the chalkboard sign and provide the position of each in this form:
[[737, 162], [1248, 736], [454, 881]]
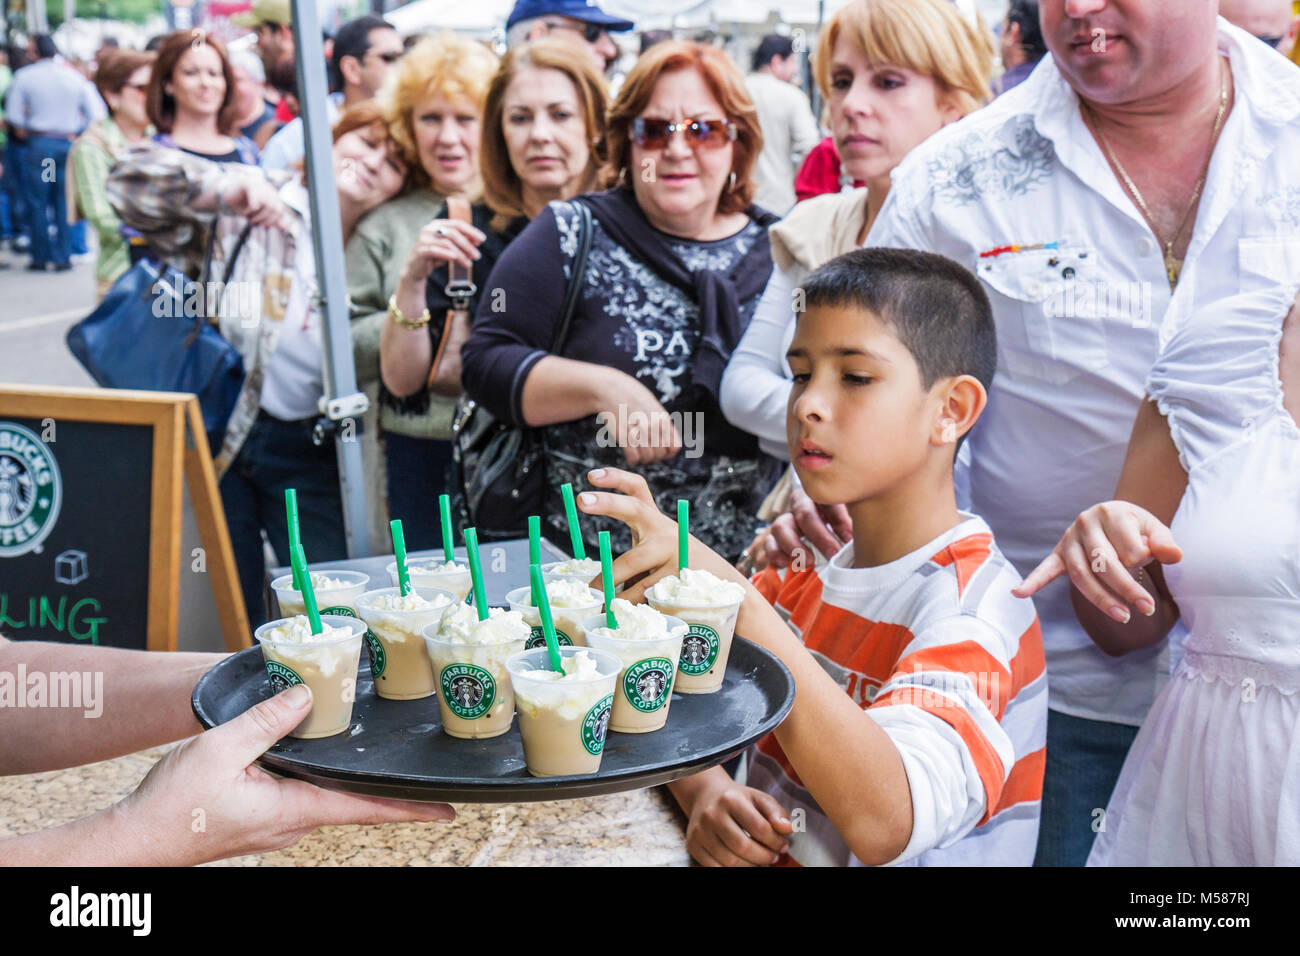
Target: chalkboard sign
[[91, 486]]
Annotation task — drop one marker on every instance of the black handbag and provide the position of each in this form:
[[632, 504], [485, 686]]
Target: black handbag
[[501, 468]]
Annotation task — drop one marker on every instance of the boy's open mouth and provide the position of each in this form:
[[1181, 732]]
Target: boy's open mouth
[[811, 456]]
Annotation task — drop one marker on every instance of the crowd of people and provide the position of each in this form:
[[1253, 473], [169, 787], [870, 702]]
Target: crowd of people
[[914, 363]]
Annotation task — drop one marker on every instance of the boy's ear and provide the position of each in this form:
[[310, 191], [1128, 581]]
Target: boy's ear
[[961, 401]]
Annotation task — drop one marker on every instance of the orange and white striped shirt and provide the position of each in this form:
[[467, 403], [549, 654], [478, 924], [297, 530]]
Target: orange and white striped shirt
[[937, 651]]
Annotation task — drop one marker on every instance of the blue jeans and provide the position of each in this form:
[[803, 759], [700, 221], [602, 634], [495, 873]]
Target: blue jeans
[[1084, 758], [279, 455], [417, 475], [15, 192], [44, 171]]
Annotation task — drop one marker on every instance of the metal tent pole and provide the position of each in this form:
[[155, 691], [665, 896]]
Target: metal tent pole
[[343, 405]]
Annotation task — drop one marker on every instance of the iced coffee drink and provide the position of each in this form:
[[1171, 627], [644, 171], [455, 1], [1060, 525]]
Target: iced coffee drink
[[563, 718], [571, 604], [709, 606], [581, 570], [399, 659], [648, 645], [325, 662], [469, 668], [432, 573], [336, 592]]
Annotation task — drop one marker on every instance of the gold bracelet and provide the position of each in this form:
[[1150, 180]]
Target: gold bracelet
[[395, 314]]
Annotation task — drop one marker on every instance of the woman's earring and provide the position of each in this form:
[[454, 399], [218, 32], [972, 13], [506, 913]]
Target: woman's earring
[[622, 176], [732, 187]]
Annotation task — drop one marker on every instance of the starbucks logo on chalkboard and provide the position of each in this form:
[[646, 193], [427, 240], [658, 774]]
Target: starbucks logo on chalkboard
[[282, 678], [538, 639], [31, 491], [468, 690]]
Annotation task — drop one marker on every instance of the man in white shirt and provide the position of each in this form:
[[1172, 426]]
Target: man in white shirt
[[785, 117], [1077, 199]]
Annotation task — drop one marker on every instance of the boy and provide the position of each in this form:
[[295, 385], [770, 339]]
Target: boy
[[918, 729]]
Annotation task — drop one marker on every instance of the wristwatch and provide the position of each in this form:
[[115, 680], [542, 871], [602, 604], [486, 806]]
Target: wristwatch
[[395, 314]]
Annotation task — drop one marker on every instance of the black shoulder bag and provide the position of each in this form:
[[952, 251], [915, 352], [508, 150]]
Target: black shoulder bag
[[501, 468]]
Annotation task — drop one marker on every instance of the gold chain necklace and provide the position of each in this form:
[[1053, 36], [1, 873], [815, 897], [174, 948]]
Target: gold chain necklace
[[1173, 266]]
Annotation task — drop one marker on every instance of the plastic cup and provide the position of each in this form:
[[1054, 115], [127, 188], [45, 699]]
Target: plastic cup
[[645, 679], [399, 660], [563, 723], [707, 644], [340, 600], [567, 620], [329, 668], [475, 697], [555, 571], [424, 573]]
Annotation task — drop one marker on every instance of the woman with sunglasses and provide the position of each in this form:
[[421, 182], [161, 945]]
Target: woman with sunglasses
[[893, 72], [121, 78], [679, 257], [543, 125]]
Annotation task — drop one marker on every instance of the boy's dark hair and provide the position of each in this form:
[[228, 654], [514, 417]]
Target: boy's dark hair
[[353, 39], [937, 308], [1024, 13], [772, 45]]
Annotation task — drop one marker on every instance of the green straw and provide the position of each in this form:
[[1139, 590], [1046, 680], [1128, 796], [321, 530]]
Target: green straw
[[548, 626], [683, 533], [607, 579], [399, 550], [570, 509], [444, 510], [295, 536], [299, 561], [476, 573], [534, 546]]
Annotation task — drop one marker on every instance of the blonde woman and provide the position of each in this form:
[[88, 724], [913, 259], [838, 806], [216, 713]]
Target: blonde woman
[[433, 102], [893, 72]]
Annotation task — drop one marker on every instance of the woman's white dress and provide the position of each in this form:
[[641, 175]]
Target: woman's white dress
[[1213, 778]]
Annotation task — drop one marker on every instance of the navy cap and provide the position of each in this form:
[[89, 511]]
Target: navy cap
[[584, 10]]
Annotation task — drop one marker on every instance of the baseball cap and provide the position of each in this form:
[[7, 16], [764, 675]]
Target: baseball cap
[[584, 10], [265, 11]]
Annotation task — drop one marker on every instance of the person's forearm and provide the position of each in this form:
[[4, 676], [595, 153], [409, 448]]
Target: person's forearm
[[855, 773], [564, 390], [687, 790], [106, 838], [405, 355], [128, 700]]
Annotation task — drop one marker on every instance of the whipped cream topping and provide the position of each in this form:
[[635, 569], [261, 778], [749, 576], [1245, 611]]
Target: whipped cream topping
[[434, 566], [297, 630], [577, 667], [396, 601], [640, 622], [566, 593], [575, 567], [460, 625], [696, 586], [321, 582]]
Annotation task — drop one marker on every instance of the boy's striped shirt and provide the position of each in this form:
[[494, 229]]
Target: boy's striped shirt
[[938, 652]]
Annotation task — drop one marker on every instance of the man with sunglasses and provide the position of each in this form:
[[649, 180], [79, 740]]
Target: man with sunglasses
[[365, 49], [570, 19]]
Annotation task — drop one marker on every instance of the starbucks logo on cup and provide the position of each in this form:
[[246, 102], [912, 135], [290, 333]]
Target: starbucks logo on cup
[[699, 650], [647, 683], [31, 491], [468, 690], [340, 611], [378, 658], [538, 639], [281, 677], [595, 724]]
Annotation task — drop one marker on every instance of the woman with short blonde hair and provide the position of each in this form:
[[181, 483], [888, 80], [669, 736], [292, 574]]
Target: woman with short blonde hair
[[433, 104], [893, 73]]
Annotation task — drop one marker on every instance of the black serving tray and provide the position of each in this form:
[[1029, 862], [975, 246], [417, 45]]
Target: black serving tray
[[397, 749]]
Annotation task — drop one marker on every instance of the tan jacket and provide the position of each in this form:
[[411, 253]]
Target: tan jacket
[[819, 229]]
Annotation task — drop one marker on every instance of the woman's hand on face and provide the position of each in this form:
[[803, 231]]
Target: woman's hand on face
[[644, 429], [254, 198], [654, 534], [442, 241], [1096, 551]]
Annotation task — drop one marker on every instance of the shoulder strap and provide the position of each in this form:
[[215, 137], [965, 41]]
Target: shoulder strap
[[460, 287], [576, 276]]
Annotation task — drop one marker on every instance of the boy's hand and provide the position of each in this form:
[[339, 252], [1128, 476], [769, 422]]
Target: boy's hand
[[826, 527], [654, 534], [733, 825]]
